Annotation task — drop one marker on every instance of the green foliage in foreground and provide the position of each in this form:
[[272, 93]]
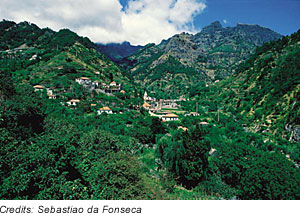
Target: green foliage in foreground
[[186, 155], [49, 151], [257, 174], [67, 163]]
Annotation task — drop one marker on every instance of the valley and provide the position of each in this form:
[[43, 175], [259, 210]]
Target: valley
[[213, 115]]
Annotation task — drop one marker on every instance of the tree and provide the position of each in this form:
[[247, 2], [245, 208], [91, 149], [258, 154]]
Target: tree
[[186, 155], [157, 127], [257, 174]]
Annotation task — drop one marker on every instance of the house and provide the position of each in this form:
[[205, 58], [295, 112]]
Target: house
[[52, 96], [83, 80], [112, 87], [168, 103], [51, 90], [194, 114], [203, 123], [146, 106], [38, 88], [212, 152], [183, 128], [73, 102], [123, 92], [148, 98], [96, 84], [106, 110], [170, 117], [34, 57], [113, 84]]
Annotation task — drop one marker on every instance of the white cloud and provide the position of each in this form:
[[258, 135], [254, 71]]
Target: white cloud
[[141, 22], [224, 21]]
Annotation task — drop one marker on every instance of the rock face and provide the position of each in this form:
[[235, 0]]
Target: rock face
[[209, 55]]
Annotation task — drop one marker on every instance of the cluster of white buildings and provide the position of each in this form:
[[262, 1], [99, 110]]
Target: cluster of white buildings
[[89, 84], [93, 85], [153, 104], [154, 108]]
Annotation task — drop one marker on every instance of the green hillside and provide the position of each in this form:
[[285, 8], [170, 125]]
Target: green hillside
[[254, 122], [210, 55], [265, 89], [73, 124]]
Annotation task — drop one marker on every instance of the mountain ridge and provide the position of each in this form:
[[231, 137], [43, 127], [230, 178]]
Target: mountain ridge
[[213, 53], [44, 57], [117, 51]]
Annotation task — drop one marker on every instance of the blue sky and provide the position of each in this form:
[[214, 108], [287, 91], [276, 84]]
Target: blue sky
[[150, 21], [282, 16]]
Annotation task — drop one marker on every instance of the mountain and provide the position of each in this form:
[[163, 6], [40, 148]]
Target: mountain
[[49, 139], [116, 51], [242, 142], [55, 59], [265, 90], [209, 55]]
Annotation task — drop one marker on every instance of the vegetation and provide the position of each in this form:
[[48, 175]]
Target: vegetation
[[186, 155], [243, 145], [210, 55]]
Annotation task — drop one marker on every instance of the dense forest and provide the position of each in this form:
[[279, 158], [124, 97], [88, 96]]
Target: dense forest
[[244, 144]]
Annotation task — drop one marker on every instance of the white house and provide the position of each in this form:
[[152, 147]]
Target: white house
[[113, 83], [106, 110], [83, 80], [194, 114], [212, 152], [52, 96], [183, 128], [73, 102], [112, 87], [38, 88], [170, 117], [51, 91], [96, 84], [203, 123], [34, 57]]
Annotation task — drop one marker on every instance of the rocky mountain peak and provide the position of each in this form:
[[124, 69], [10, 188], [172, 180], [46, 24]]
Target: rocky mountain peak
[[215, 26]]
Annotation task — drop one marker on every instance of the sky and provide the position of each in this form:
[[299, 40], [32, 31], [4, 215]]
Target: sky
[[150, 21]]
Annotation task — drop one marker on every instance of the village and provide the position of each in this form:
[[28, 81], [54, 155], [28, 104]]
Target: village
[[165, 109]]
